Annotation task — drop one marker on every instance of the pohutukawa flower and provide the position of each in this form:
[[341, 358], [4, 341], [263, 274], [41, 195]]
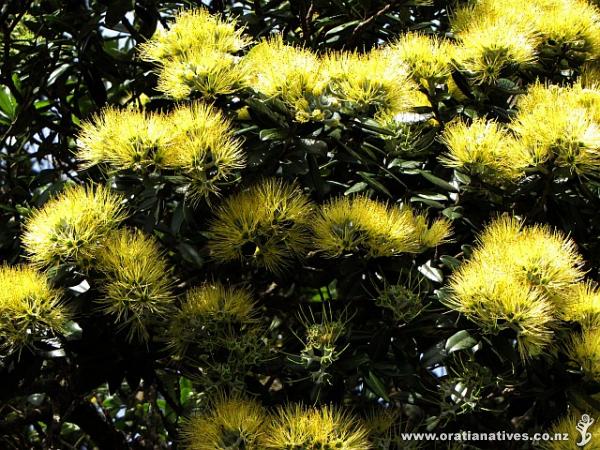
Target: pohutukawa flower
[[428, 57], [191, 31], [581, 304], [297, 427], [584, 349], [569, 134], [360, 225], [72, 227], [293, 75], [30, 309], [209, 73], [517, 279], [373, 82], [267, 225], [486, 149], [124, 140], [490, 49], [136, 286], [208, 310], [230, 423], [197, 55], [203, 150]]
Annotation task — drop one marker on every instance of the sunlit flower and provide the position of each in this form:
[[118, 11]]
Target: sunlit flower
[[486, 149], [371, 82], [30, 309], [203, 149], [517, 279], [581, 304], [136, 286], [428, 57], [230, 423], [124, 139], [266, 224], [359, 225], [297, 427], [71, 227], [567, 426]]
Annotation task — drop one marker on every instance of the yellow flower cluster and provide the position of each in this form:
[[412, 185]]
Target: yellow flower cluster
[[136, 285], [197, 54], [208, 310], [497, 35], [374, 229], [518, 278], [554, 125], [71, 228], [265, 224], [561, 125], [236, 422], [30, 309], [196, 141], [486, 149]]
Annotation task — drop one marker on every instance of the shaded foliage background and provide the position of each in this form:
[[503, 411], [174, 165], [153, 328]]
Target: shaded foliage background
[[64, 60]]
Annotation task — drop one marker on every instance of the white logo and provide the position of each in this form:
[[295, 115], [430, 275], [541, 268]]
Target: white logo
[[582, 426]]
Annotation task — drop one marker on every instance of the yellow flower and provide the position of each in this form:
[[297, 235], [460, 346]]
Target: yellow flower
[[30, 309], [486, 149], [231, 423], [209, 73], [567, 426], [369, 83], [265, 224], [71, 228], [136, 285], [290, 74], [193, 30], [584, 349], [296, 427], [358, 224], [488, 49], [203, 149], [562, 125], [517, 278], [124, 139], [428, 57], [208, 309], [582, 304]]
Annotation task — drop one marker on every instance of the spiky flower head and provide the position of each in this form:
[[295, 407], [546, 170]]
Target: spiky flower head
[[581, 304], [360, 225], [486, 149], [488, 50], [428, 57], [569, 132], [194, 30], [207, 311], [568, 426], [30, 309], [517, 279], [266, 224], [370, 83], [403, 299], [71, 228], [209, 73], [204, 150], [584, 349], [296, 428], [197, 55], [136, 286], [292, 75], [231, 423], [124, 139]]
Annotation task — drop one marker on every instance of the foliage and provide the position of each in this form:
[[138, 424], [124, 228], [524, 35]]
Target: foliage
[[297, 225]]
